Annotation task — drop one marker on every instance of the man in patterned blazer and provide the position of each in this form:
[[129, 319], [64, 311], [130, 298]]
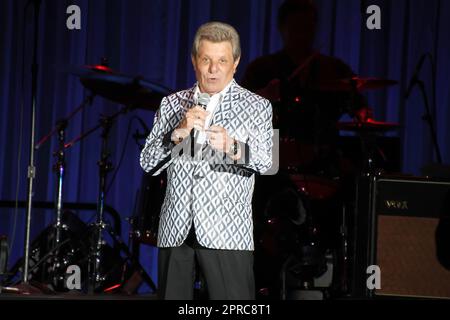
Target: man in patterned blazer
[[207, 214]]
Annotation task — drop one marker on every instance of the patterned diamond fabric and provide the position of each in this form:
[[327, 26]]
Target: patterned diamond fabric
[[213, 194]]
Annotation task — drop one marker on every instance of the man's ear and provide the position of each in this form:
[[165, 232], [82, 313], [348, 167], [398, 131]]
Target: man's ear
[[193, 62], [236, 63]]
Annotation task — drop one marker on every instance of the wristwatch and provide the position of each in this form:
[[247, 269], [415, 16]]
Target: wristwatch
[[234, 148]]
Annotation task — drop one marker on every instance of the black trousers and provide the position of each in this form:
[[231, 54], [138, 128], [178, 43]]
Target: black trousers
[[228, 273]]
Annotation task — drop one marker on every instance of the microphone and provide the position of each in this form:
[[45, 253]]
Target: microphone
[[414, 78], [202, 100]]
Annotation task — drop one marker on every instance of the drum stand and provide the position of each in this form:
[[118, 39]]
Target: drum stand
[[104, 165], [57, 274], [95, 260], [368, 169]]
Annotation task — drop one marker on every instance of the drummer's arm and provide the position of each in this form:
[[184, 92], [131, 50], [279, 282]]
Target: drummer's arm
[[359, 109], [363, 114]]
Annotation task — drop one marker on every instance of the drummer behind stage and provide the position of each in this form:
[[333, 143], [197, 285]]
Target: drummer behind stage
[[296, 77], [306, 111], [207, 213]]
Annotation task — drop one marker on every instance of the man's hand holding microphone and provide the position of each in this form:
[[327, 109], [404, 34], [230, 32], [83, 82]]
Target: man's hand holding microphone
[[218, 137], [194, 119]]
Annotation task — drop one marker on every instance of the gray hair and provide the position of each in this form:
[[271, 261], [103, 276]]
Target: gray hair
[[217, 32]]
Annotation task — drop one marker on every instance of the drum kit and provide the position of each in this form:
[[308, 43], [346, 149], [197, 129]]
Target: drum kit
[[58, 246]]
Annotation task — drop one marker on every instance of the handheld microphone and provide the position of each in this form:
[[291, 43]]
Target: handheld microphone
[[414, 78], [202, 100]]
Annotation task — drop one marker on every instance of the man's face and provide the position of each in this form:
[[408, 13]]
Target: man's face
[[214, 65]]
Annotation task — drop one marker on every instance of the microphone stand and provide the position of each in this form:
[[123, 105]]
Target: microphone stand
[[25, 287], [427, 116], [429, 119]]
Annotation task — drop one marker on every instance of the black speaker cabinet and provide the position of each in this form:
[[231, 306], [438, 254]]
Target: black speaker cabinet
[[402, 225]]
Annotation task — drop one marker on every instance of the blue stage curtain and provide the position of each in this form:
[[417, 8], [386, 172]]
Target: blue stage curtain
[[153, 39]]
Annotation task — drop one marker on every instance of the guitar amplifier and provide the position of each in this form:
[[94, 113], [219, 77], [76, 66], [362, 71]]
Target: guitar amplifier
[[402, 225]]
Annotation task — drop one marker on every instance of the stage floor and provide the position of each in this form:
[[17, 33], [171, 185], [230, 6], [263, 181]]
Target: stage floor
[[77, 296]]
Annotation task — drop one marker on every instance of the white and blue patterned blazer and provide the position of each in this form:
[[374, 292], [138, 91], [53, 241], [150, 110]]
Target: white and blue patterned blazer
[[216, 197]]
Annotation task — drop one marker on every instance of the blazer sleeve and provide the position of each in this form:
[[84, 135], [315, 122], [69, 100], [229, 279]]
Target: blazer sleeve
[[155, 157], [258, 148]]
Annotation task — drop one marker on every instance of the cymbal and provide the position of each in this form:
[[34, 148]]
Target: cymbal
[[369, 125], [133, 91], [358, 83]]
